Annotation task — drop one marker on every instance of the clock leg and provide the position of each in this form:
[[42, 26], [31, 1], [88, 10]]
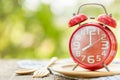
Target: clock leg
[[75, 67], [105, 66]]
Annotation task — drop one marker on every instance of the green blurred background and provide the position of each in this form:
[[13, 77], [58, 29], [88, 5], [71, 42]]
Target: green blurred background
[[38, 29]]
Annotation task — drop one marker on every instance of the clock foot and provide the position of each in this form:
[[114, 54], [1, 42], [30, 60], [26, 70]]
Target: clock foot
[[105, 66], [75, 67]]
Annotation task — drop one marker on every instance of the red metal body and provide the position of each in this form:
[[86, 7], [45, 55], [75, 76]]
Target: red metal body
[[95, 49]]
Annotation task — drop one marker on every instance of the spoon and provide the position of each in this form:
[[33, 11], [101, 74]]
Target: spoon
[[25, 71]]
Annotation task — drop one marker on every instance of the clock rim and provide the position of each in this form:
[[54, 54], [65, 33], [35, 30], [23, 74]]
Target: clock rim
[[115, 46], [100, 64]]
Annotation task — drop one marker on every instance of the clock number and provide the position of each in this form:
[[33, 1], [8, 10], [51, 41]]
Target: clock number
[[91, 59], [76, 45], [104, 53], [83, 57], [88, 30], [77, 53], [98, 31], [82, 32], [103, 37], [105, 43], [98, 58], [78, 37], [93, 31]]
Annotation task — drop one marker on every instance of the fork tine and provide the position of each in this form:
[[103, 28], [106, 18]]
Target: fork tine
[[41, 73], [36, 74], [44, 71]]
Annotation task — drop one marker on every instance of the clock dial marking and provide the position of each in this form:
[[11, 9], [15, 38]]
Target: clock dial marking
[[91, 45], [93, 50]]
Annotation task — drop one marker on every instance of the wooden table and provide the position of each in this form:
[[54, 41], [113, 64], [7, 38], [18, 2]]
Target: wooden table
[[8, 67], [7, 72]]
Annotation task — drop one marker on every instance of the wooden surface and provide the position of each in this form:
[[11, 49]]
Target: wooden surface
[[8, 67], [7, 72]]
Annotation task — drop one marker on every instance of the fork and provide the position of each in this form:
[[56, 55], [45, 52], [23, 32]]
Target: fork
[[44, 71]]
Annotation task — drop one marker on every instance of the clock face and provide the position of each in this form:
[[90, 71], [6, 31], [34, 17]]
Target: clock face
[[90, 45]]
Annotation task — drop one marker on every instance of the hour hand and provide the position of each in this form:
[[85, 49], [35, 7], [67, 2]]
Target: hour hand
[[83, 49]]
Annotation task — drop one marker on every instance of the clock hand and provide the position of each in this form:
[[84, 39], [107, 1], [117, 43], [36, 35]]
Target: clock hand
[[83, 49], [90, 39], [96, 42]]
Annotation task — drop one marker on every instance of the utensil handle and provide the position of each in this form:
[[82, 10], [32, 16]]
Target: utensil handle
[[54, 59]]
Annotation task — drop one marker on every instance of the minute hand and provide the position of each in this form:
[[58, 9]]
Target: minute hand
[[96, 42], [90, 39], [90, 45]]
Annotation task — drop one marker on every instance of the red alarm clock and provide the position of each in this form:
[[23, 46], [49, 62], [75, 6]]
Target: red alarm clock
[[92, 45]]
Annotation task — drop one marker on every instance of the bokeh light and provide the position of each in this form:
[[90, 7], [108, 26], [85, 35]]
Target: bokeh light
[[39, 28]]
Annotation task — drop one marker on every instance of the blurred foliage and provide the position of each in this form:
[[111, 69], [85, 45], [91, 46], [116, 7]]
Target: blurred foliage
[[27, 34], [34, 34]]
